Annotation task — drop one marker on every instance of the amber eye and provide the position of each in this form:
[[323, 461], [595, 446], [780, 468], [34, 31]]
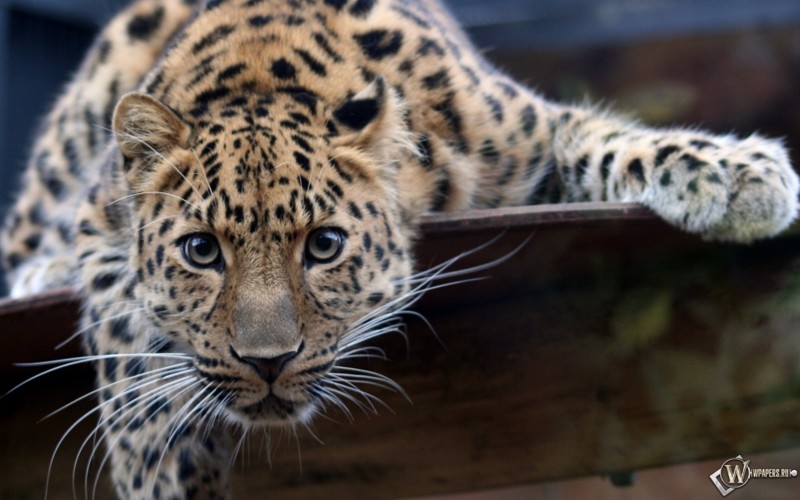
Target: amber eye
[[324, 245], [202, 250]]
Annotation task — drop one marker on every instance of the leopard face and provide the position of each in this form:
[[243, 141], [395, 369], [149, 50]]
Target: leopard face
[[263, 232]]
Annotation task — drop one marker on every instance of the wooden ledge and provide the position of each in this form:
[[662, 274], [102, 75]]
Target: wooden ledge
[[610, 342], [536, 216]]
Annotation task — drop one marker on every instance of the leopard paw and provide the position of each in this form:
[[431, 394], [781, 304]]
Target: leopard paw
[[723, 188], [764, 190]]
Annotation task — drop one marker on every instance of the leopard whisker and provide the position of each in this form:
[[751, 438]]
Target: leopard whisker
[[363, 352], [316, 438], [423, 283], [438, 269], [343, 392], [269, 431], [156, 220], [69, 362], [320, 414], [185, 387], [66, 433], [358, 337], [164, 158], [203, 171], [155, 374], [223, 404], [299, 452], [88, 327], [172, 427], [360, 374], [238, 446], [135, 408], [143, 193], [185, 414], [61, 441], [321, 392], [204, 409], [201, 408], [363, 330], [328, 397], [217, 413], [157, 343], [325, 165], [408, 299], [387, 319], [350, 385]]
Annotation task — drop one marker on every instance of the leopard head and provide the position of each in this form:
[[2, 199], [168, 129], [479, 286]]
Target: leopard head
[[267, 238]]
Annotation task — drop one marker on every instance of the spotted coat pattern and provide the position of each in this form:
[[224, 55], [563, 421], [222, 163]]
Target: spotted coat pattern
[[258, 123]]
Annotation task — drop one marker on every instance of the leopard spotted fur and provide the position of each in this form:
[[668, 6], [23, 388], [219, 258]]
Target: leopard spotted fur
[[234, 186]]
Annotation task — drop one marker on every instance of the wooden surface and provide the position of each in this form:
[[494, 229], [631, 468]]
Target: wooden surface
[[609, 342]]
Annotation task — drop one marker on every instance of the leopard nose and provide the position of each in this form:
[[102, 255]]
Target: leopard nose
[[270, 369]]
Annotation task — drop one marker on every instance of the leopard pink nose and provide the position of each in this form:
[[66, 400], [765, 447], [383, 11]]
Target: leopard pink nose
[[270, 369]]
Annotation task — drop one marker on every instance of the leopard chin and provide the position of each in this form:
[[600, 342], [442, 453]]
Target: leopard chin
[[273, 411]]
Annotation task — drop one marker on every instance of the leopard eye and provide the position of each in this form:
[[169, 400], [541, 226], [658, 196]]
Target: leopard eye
[[324, 245], [202, 250]]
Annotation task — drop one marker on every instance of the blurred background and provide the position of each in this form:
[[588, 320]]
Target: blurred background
[[725, 65]]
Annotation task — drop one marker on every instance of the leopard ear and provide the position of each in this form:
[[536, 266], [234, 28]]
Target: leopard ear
[[372, 119], [365, 108], [146, 130]]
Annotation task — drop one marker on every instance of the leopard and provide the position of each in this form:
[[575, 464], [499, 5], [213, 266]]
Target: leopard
[[235, 189]]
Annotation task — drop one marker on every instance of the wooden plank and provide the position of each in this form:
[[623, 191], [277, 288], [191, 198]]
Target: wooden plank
[[32, 328], [609, 342]]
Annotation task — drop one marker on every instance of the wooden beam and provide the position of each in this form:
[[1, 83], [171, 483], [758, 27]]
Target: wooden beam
[[609, 342]]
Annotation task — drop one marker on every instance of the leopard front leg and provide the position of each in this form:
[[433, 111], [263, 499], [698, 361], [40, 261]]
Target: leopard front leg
[[763, 190], [722, 187]]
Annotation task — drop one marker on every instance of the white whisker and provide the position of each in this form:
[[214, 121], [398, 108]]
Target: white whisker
[[324, 394], [164, 158], [299, 453], [152, 374], [203, 171], [97, 323], [178, 421], [156, 220], [69, 430], [341, 380], [182, 385], [363, 352], [142, 193], [238, 446], [131, 410], [352, 379], [68, 362], [336, 389], [313, 434]]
